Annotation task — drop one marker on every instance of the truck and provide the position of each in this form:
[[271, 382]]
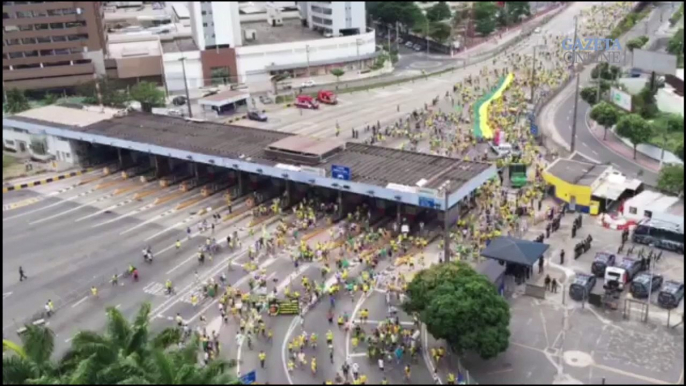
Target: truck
[[327, 97], [518, 175], [306, 102]]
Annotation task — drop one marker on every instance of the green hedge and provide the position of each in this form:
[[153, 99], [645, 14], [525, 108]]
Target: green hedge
[[628, 23], [677, 15]]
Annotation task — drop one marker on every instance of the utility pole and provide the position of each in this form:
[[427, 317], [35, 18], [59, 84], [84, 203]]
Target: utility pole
[[307, 54], [427, 36], [576, 90], [397, 36], [185, 85], [650, 286], [533, 75], [446, 230]]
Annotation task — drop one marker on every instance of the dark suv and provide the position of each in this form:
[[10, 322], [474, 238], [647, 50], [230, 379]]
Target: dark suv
[[581, 287], [641, 286], [671, 294], [601, 261]]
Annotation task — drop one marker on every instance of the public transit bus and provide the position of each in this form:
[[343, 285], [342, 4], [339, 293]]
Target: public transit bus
[[661, 234]]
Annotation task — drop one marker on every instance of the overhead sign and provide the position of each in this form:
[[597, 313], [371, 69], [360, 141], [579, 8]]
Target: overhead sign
[[427, 202], [309, 169], [340, 172], [427, 192], [249, 378], [620, 98]]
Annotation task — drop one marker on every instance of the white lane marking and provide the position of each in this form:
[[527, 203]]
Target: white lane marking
[[357, 354], [167, 213], [6, 295], [108, 209], [125, 215], [101, 198], [79, 302]]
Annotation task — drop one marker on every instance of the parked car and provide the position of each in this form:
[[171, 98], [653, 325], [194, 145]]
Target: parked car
[[671, 294], [641, 285], [581, 286], [409, 44], [266, 100], [601, 261], [308, 83], [179, 100], [400, 40], [418, 47], [257, 115]]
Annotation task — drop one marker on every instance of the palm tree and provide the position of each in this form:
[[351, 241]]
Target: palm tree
[[30, 361], [124, 354]]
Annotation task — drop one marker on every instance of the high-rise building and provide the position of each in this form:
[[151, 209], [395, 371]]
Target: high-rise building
[[51, 45], [216, 30], [334, 18]]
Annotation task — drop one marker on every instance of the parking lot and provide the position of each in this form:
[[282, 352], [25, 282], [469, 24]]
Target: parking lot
[[559, 340]]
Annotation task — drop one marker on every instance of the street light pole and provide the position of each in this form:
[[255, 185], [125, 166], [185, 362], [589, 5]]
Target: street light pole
[[185, 85], [307, 54], [533, 76], [446, 230], [427, 36], [576, 90]]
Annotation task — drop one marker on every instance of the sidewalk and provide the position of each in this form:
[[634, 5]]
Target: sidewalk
[[617, 146], [42, 179]]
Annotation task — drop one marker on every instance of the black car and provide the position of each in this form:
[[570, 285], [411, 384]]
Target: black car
[[671, 294], [601, 261], [581, 286], [179, 100], [641, 285], [256, 115]]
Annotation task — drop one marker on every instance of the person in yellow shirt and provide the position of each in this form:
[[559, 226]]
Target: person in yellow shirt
[[262, 357], [313, 365], [355, 342]]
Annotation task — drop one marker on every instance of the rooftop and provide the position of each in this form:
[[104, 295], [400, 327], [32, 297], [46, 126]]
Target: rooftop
[[576, 172], [67, 116], [179, 45], [369, 164], [291, 31], [134, 46]]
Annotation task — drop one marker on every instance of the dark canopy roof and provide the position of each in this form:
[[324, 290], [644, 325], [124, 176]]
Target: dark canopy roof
[[513, 250]]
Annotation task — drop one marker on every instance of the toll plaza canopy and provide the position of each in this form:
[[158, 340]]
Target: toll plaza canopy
[[396, 175], [512, 250]]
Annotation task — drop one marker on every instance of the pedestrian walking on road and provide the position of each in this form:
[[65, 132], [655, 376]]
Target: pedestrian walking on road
[[262, 357], [547, 282], [381, 364], [553, 285], [21, 274], [562, 257], [540, 265]]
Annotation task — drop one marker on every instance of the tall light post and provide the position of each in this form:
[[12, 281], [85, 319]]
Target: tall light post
[[307, 54], [358, 42], [576, 89], [185, 85], [445, 187]]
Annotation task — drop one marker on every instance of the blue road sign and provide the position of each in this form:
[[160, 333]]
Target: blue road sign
[[340, 172], [249, 378], [534, 129], [427, 202]]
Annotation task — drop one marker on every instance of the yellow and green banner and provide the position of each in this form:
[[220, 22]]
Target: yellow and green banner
[[481, 127]]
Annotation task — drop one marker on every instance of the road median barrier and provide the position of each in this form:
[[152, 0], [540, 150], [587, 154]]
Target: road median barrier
[[106, 185], [315, 233], [44, 181], [88, 180], [140, 195], [124, 190], [167, 198], [231, 216], [187, 203]]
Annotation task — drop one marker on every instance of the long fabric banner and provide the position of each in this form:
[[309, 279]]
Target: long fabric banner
[[481, 127]]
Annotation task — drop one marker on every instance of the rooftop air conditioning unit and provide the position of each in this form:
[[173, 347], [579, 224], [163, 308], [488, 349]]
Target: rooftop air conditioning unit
[[249, 34]]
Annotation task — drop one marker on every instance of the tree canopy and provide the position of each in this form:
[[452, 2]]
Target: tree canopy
[[485, 14], [606, 71], [148, 95], [606, 115], [16, 101], [124, 354], [439, 11], [390, 12], [634, 128], [461, 306], [113, 92], [671, 179], [517, 10], [440, 32]]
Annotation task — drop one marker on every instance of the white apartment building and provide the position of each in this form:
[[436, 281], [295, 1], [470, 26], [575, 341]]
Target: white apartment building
[[215, 24], [335, 18]]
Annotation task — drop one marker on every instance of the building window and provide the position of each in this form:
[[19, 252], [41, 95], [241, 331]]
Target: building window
[[30, 54], [59, 39], [16, 55], [5, 15], [204, 25], [648, 214], [56, 25], [632, 210], [26, 27], [54, 12], [73, 24], [23, 15], [28, 41], [44, 39], [43, 26], [62, 51], [68, 11], [40, 14], [47, 53], [11, 42]]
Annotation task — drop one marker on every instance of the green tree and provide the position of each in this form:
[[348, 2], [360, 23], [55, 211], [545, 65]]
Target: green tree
[[675, 46], [16, 101], [680, 151], [113, 92], [589, 95], [148, 95], [438, 12], [461, 306], [637, 42], [634, 128], [440, 32], [485, 14], [606, 115], [671, 179], [517, 10], [337, 72], [390, 12], [644, 103], [29, 361], [606, 71]]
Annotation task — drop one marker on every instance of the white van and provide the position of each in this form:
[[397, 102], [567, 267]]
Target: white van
[[616, 274]]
